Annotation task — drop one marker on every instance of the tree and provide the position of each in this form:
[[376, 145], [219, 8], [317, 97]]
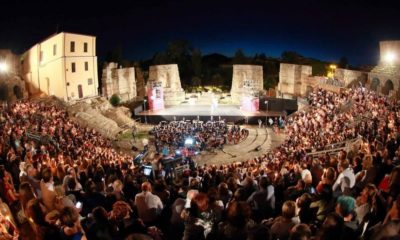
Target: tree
[[161, 58], [291, 57], [217, 80], [196, 62], [178, 50], [343, 62], [196, 81], [240, 57], [115, 100]]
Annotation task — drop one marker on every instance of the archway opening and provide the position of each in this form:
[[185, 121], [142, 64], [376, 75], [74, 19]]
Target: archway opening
[[375, 83], [388, 87], [18, 92]]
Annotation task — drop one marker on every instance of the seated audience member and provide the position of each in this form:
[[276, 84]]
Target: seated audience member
[[126, 224], [366, 202], [345, 208], [300, 232], [345, 180], [100, 227], [332, 228], [280, 228], [70, 224], [36, 214], [238, 223]]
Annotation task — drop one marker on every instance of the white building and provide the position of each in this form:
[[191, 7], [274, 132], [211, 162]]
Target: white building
[[63, 65]]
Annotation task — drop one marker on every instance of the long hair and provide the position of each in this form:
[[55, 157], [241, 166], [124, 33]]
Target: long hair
[[198, 204], [25, 194]]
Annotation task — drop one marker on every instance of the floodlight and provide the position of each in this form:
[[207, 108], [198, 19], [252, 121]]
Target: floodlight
[[3, 67], [390, 57], [189, 141]]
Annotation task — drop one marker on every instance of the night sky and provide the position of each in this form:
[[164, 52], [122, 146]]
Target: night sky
[[325, 30]]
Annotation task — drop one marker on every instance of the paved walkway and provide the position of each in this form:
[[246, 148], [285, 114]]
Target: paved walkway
[[259, 141]]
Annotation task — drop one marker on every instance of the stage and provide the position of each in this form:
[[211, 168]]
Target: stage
[[231, 113]]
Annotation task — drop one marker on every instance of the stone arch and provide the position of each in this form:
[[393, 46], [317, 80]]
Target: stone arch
[[18, 92], [375, 84], [387, 87]]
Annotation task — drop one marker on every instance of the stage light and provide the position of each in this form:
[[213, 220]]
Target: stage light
[[3, 67], [390, 57], [189, 141]]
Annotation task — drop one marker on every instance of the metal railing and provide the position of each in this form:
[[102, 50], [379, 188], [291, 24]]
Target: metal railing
[[337, 147]]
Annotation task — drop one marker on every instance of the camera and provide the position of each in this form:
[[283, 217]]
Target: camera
[[147, 170]]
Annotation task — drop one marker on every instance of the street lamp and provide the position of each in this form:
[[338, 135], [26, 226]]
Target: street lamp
[[390, 57], [145, 117], [331, 73], [266, 114], [3, 67]]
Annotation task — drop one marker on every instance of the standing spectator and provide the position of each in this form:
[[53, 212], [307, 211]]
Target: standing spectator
[[149, 206], [47, 189], [263, 200], [199, 220]]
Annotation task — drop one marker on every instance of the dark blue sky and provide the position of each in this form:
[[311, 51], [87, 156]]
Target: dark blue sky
[[325, 30]]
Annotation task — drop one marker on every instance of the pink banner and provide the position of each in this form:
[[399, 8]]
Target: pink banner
[[250, 104]]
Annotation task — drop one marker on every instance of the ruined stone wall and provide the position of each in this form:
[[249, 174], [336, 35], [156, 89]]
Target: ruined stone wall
[[12, 61], [292, 78], [120, 81], [11, 79], [245, 79], [348, 77], [168, 75], [140, 82]]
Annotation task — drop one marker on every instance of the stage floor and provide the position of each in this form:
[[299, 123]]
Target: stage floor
[[205, 110], [230, 113]]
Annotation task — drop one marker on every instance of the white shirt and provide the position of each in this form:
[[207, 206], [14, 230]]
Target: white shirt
[[344, 180], [50, 186], [305, 173], [148, 205]]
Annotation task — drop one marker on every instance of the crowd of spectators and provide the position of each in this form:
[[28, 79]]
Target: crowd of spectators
[[201, 136], [77, 187]]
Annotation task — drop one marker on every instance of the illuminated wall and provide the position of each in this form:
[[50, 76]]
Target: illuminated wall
[[64, 65], [389, 52]]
